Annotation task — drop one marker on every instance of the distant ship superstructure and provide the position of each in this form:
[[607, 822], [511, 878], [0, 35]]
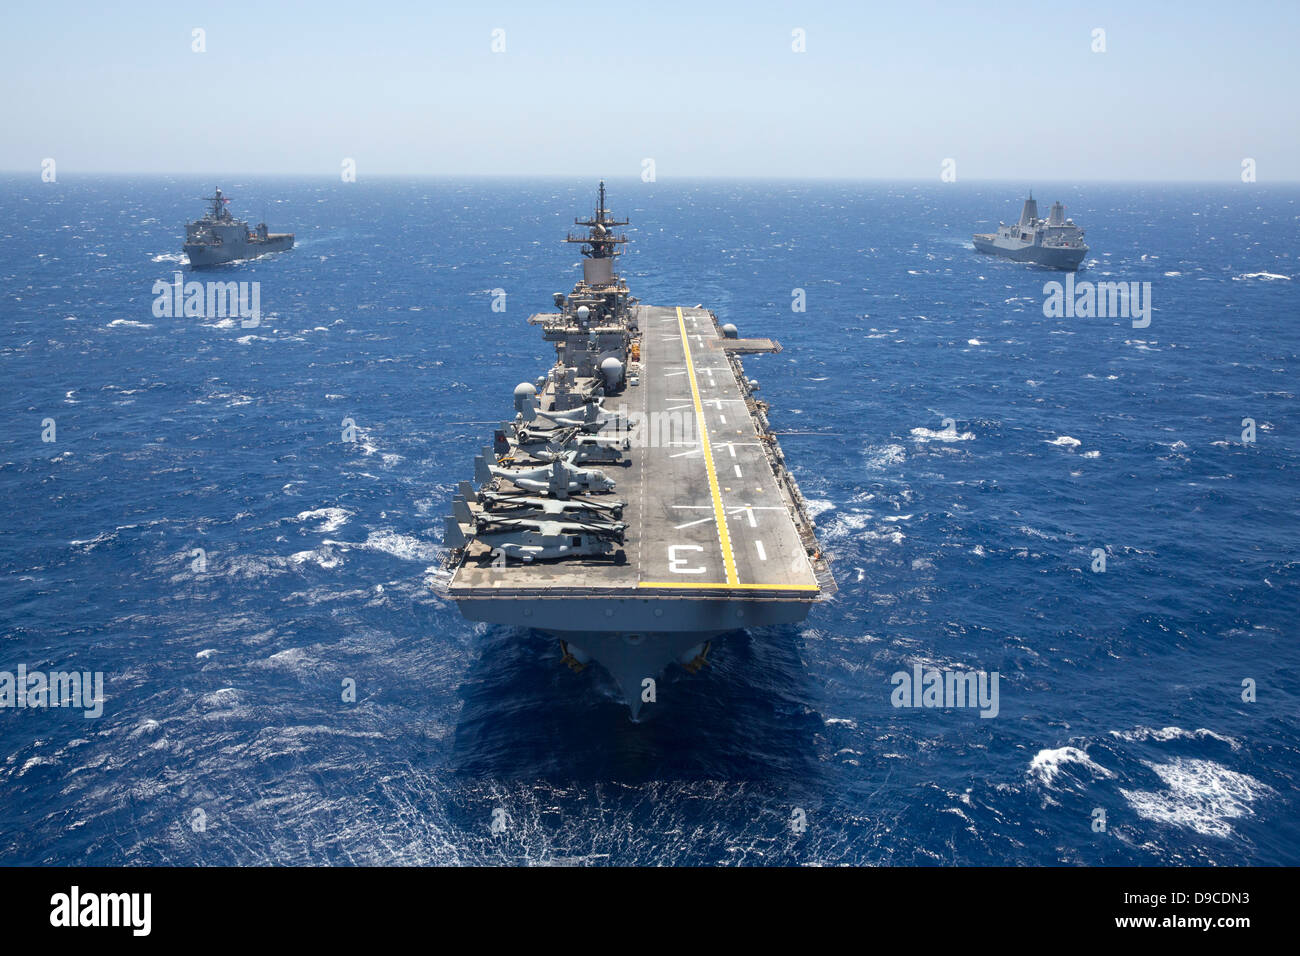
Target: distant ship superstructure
[[219, 237], [637, 532], [1055, 242]]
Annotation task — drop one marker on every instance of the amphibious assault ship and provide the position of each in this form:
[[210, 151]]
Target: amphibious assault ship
[[638, 506], [219, 237], [1055, 242]]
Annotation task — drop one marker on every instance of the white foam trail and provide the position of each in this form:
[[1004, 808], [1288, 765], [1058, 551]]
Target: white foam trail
[[1202, 796]]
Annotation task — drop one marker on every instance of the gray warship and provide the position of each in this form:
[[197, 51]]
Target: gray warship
[[1055, 242], [219, 237], [638, 506]]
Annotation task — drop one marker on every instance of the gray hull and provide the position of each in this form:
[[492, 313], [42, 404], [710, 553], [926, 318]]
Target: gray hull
[[203, 254], [1068, 259], [653, 634]]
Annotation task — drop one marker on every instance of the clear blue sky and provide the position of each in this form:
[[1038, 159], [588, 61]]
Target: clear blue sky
[[1184, 91]]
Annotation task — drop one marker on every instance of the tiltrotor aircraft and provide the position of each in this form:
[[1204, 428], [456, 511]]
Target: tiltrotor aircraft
[[560, 479], [533, 538], [592, 417]]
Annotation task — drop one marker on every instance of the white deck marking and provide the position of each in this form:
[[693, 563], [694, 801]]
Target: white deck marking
[[762, 554], [691, 524], [738, 474]]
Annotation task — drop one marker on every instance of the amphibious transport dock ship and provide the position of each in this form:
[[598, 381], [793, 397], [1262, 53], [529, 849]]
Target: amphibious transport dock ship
[[1055, 242], [638, 506], [219, 237]]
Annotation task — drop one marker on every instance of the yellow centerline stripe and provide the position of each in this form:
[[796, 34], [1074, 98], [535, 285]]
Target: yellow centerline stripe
[[719, 515]]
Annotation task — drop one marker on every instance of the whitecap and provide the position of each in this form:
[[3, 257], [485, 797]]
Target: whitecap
[[883, 456], [816, 506], [1201, 795], [1048, 764], [923, 435], [401, 546], [324, 557], [334, 518], [1172, 733]]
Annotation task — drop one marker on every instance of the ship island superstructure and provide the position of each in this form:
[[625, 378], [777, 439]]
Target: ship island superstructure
[[1055, 242], [219, 237], [638, 506]]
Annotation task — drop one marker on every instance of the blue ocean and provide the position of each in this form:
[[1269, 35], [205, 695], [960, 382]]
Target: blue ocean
[[182, 515]]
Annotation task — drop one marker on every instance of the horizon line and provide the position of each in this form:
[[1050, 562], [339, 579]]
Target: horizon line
[[785, 177]]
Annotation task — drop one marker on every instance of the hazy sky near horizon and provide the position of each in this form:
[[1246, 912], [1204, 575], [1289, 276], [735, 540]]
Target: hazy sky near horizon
[[1008, 90]]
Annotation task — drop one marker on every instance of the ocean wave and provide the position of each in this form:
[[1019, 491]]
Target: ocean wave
[[1048, 764], [1065, 441], [90, 544], [1200, 795], [324, 557], [817, 506], [390, 542], [334, 518], [884, 456], [267, 565], [923, 435], [1172, 733], [893, 537], [224, 699]]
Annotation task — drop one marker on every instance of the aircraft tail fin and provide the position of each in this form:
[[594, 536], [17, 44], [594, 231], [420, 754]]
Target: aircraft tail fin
[[453, 537]]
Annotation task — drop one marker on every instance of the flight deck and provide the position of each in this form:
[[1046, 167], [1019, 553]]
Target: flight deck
[[707, 508]]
